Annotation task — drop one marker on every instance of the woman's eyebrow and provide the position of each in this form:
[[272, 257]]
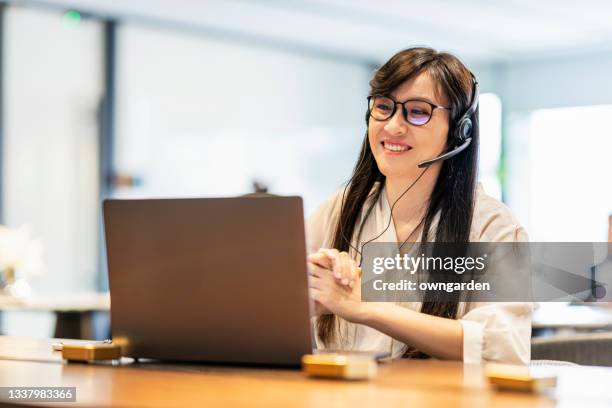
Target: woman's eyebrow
[[416, 98]]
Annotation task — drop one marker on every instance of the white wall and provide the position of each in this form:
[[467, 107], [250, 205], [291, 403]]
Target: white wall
[[53, 87], [578, 80], [200, 117], [558, 145]]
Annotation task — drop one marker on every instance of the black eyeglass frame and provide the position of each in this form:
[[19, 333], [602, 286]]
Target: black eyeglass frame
[[404, 109]]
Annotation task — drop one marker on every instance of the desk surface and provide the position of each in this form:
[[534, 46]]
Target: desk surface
[[405, 382]]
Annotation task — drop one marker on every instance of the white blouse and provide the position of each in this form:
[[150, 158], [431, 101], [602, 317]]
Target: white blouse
[[492, 331]]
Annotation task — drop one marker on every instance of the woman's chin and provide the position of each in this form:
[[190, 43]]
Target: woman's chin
[[398, 173], [393, 170]]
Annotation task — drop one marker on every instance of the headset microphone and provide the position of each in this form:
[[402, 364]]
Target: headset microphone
[[463, 131], [448, 155]]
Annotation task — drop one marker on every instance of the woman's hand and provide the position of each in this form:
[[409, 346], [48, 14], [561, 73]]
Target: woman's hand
[[335, 284], [344, 268]]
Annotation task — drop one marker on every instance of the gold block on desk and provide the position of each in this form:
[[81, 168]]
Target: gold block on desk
[[91, 351], [518, 378], [349, 367]]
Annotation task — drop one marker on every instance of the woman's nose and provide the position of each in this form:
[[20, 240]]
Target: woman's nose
[[396, 125]]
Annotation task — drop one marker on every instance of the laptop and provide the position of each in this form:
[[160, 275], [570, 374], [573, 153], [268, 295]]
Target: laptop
[[209, 279]]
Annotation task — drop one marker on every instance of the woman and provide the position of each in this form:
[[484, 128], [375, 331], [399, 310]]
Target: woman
[[420, 101]]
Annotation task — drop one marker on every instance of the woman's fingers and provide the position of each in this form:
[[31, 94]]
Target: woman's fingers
[[344, 268], [331, 255], [336, 262], [358, 276], [321, 259], [345, 262], [314, 283], [352, 272], [341, 265], [318, 273], [315, 270], [318, 284], [328, 258]]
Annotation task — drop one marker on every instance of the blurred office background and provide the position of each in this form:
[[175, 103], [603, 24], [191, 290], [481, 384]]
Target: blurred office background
[[180, 98]]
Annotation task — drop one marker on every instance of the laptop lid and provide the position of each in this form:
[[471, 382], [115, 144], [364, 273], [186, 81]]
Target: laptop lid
[[209, 279]]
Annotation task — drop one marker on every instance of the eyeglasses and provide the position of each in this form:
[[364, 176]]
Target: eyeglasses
[[416, 112]]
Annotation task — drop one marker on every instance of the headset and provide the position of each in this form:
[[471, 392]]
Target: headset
[[463, 129]]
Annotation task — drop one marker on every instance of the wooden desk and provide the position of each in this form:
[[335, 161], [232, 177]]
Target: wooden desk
[[401, 382]]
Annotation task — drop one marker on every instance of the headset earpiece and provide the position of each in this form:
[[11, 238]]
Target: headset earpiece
[[465, 129], [464, 125], [462, 132]]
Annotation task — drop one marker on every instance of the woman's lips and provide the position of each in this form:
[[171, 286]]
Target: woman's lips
[[395, 148]]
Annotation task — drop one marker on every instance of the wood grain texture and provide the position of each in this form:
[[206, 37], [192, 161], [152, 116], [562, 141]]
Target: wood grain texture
[[405, 382]]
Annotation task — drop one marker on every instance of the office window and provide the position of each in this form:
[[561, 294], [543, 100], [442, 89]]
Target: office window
[[559, 184], [490, 116], [53, 85], [201, 117]]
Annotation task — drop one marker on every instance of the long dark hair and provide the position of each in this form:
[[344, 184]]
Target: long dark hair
[[453, 194]]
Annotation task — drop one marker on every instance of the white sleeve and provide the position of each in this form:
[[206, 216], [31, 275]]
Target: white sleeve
[[321, 224], [497, 331]]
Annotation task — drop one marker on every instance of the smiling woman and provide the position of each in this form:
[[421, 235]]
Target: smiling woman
[[415, 180]]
